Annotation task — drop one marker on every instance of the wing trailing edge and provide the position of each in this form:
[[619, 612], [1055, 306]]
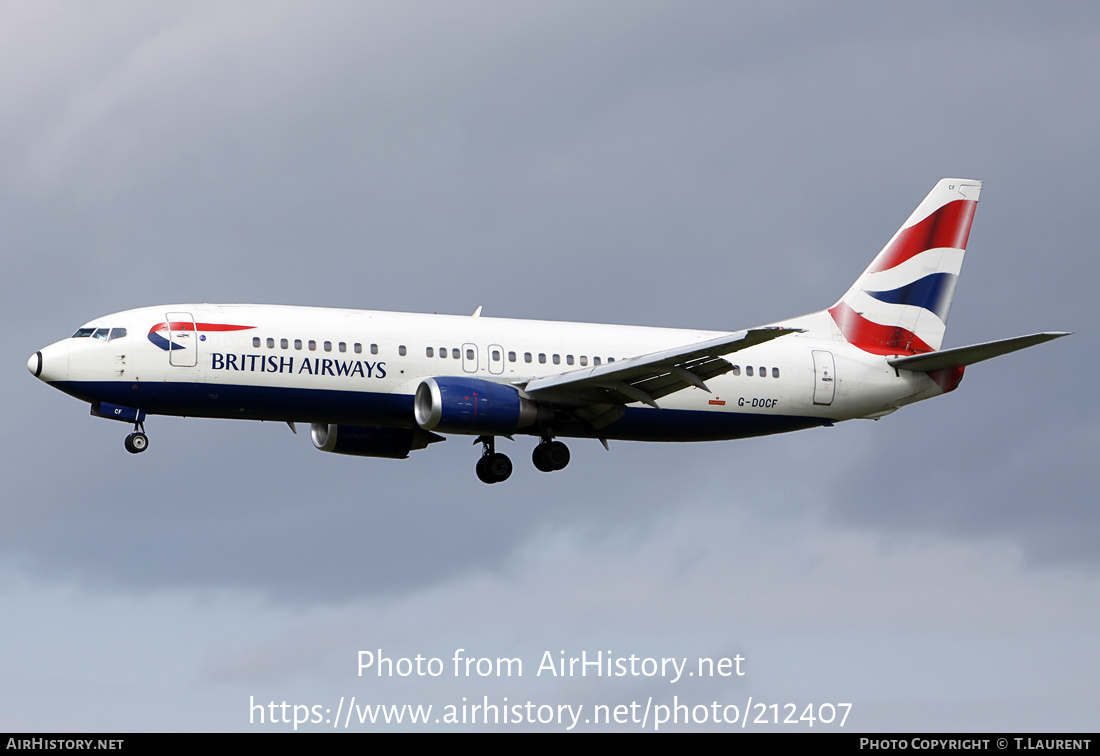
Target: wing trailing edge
[[649, 377]]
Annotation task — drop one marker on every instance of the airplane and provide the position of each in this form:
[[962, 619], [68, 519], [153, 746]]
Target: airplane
[[384, 384]]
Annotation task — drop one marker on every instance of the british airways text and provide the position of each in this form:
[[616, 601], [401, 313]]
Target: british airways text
[[270, 363]]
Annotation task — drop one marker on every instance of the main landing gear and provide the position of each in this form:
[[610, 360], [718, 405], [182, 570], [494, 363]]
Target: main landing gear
[[550, 456], [494, 467], [137, 442]]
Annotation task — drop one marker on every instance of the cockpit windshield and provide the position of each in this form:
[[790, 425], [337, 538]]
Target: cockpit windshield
[[103, 334]]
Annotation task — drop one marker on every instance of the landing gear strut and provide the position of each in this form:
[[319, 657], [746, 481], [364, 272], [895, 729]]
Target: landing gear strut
[[550, 455], [492, 467], [137, 442]]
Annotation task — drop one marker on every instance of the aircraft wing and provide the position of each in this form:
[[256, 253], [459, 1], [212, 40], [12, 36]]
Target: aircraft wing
[[647, 377], [968, 355]]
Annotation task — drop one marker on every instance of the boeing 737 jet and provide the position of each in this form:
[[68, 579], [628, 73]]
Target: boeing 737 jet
[[384, 384]]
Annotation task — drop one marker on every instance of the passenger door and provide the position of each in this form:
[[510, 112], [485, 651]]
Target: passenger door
[[183, 342], [469, 358], [824, 377], [496, 359]]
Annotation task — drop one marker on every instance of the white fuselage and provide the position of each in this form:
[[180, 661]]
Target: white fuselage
[[321, 365]]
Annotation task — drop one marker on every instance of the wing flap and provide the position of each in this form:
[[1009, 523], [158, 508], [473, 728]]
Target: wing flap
[[650, 376], [681, 377]]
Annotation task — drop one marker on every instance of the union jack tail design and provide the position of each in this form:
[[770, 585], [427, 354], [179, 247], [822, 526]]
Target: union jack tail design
[[900, 303]]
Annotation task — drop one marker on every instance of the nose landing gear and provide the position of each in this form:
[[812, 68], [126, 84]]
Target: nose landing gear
[[137, 442]]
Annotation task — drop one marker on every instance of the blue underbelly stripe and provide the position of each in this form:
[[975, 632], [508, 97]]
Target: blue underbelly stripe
[[396, 410]]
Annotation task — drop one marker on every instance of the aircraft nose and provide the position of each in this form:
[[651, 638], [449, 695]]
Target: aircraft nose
[[49, 364]]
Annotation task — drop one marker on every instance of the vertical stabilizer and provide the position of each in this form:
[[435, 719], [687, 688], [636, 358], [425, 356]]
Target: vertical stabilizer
[[900, 303]]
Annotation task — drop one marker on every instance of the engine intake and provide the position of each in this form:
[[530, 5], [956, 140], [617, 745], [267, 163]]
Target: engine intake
[[471, 406]]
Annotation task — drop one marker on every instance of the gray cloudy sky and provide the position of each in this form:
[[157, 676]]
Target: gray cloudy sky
[[704, 164]]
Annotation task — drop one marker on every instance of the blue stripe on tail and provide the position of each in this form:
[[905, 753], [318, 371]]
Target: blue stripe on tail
[[932, 292]]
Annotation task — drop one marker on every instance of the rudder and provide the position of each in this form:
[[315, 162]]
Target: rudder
[[900, 303]]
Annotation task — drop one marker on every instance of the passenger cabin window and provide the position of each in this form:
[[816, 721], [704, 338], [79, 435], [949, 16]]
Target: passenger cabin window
[[736, 370], [312, 345], [343, 347], [270, 343], [775, 372], [469, 354], [256, 341], [374, 349], [557, 359], [298, 344], [454, 353], [542, 358], [595, 360], [496, 355], [763, 372], [284, 344], [429, 352], [526, 356], [401, 350], [358, 348], [443, 352], [568, 359], [511, 356], [748, 370], [584, 361], [328, 346]]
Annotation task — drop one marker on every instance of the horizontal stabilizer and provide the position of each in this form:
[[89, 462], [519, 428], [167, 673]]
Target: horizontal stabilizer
[[968, 355]]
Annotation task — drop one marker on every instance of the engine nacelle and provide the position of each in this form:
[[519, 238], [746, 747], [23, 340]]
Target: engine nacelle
[[370, 441], [471, 406]]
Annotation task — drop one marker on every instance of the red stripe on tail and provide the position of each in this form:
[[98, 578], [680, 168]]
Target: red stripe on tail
[[949, 226], [875, 337]]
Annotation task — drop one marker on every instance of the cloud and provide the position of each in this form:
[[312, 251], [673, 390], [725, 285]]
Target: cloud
[[835, 614], [713, 168]]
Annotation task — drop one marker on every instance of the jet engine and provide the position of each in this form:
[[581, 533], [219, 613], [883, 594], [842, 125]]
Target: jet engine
[[472, 406], [370, 441]]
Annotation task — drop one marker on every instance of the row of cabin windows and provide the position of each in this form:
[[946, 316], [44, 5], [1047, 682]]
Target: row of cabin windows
[[454, 352], [762, 371], [495, 356], [341, 346]]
